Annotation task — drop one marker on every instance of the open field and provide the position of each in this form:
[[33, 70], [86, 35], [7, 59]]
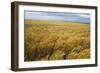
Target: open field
[[52, 40]]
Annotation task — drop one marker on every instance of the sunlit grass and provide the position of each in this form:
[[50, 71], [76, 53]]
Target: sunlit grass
[[52, 40]]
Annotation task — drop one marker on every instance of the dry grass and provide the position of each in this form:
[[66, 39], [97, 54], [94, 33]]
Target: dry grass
[[51, 40]]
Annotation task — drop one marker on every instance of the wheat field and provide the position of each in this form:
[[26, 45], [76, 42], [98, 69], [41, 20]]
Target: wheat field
[[56, 40]]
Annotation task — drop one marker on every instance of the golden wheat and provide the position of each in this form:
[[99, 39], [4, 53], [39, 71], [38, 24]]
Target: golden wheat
[[53, 40]]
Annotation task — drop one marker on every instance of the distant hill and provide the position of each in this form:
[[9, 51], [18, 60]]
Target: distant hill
[[50, 22]]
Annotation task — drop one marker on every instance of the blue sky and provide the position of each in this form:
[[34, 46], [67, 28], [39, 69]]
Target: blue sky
[[61, 16]]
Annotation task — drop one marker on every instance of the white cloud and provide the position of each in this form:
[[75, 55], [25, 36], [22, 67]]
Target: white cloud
[[84, 15]]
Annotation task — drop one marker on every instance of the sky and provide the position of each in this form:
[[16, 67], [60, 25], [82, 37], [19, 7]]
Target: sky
[[58, 16]]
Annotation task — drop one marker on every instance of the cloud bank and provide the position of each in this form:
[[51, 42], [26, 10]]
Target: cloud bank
[[58, 16]]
